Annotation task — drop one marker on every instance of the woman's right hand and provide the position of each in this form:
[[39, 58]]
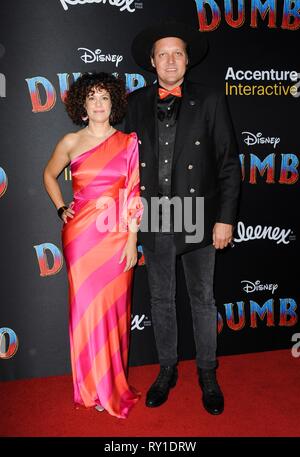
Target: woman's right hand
[[68, 213]]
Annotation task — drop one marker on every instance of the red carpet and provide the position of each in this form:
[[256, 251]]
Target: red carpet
[[261, 399]]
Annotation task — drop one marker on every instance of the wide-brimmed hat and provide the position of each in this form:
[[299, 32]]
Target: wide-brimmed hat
[[144, 41]]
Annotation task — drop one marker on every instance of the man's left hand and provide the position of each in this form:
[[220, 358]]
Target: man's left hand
[[222, 235]]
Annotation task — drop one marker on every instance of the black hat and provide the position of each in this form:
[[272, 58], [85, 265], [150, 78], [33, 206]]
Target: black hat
[[144, 41]]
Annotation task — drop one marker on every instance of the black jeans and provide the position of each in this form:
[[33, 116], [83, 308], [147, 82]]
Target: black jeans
[[199, 273]]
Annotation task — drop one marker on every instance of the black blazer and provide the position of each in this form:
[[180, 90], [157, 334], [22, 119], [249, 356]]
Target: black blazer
[[205, 162]]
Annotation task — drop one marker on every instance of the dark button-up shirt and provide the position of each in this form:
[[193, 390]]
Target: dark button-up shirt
[[167, 114]]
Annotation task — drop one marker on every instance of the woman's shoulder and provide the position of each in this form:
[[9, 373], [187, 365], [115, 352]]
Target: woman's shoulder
[[127, 135], [128, 138], [69, 140]]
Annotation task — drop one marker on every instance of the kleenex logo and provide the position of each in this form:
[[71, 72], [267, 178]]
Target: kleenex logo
[[123, 5]]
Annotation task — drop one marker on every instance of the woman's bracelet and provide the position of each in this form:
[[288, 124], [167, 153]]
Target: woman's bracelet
[[61, 210]]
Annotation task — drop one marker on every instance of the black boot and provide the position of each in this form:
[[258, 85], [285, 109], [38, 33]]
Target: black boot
[[159, 391], [212, 398]]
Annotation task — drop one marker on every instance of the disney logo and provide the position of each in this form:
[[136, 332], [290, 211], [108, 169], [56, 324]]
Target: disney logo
[[95, 56], [257, 286], [259, 139], [259, 232], [124, 5]]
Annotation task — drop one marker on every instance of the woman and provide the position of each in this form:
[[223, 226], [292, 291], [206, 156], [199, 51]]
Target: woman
[[99, 239]]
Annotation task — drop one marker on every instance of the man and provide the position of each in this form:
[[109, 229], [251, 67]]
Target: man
[[187, 149]]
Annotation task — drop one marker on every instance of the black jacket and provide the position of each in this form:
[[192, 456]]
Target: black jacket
[[205, 163]]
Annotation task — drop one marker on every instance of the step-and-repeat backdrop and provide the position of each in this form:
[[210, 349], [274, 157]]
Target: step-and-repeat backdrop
[[254, 58]]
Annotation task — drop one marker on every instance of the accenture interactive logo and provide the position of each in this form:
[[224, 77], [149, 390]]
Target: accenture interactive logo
[[124, 5], [268, 83]]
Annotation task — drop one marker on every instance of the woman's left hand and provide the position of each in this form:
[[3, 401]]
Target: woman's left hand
[[130, 252]]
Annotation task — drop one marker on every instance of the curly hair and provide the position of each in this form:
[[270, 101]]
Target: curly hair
[[84, 85]]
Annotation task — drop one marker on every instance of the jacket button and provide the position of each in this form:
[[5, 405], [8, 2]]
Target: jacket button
[[197, 143], [190, 166], [143, 187], [192, 191], [143, 164]]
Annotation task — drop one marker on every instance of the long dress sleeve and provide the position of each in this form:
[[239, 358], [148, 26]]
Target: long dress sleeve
[[133, 210]]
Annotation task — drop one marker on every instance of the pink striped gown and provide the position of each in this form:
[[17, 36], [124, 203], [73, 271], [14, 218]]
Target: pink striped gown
[[99, 290]]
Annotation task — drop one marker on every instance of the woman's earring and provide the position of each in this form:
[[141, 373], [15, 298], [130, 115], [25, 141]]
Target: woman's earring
[[85, 118]]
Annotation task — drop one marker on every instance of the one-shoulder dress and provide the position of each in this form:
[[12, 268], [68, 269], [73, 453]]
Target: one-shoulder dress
[[105, 183]]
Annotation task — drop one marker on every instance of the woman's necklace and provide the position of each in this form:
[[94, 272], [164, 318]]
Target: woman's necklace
[[102, 136]]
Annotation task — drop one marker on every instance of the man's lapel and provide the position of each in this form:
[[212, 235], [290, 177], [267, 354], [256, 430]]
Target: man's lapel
[[150, 118], [189, 104]]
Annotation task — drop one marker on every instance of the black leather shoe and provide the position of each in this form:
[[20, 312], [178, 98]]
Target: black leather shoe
[[212, 398], [159, 391]]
